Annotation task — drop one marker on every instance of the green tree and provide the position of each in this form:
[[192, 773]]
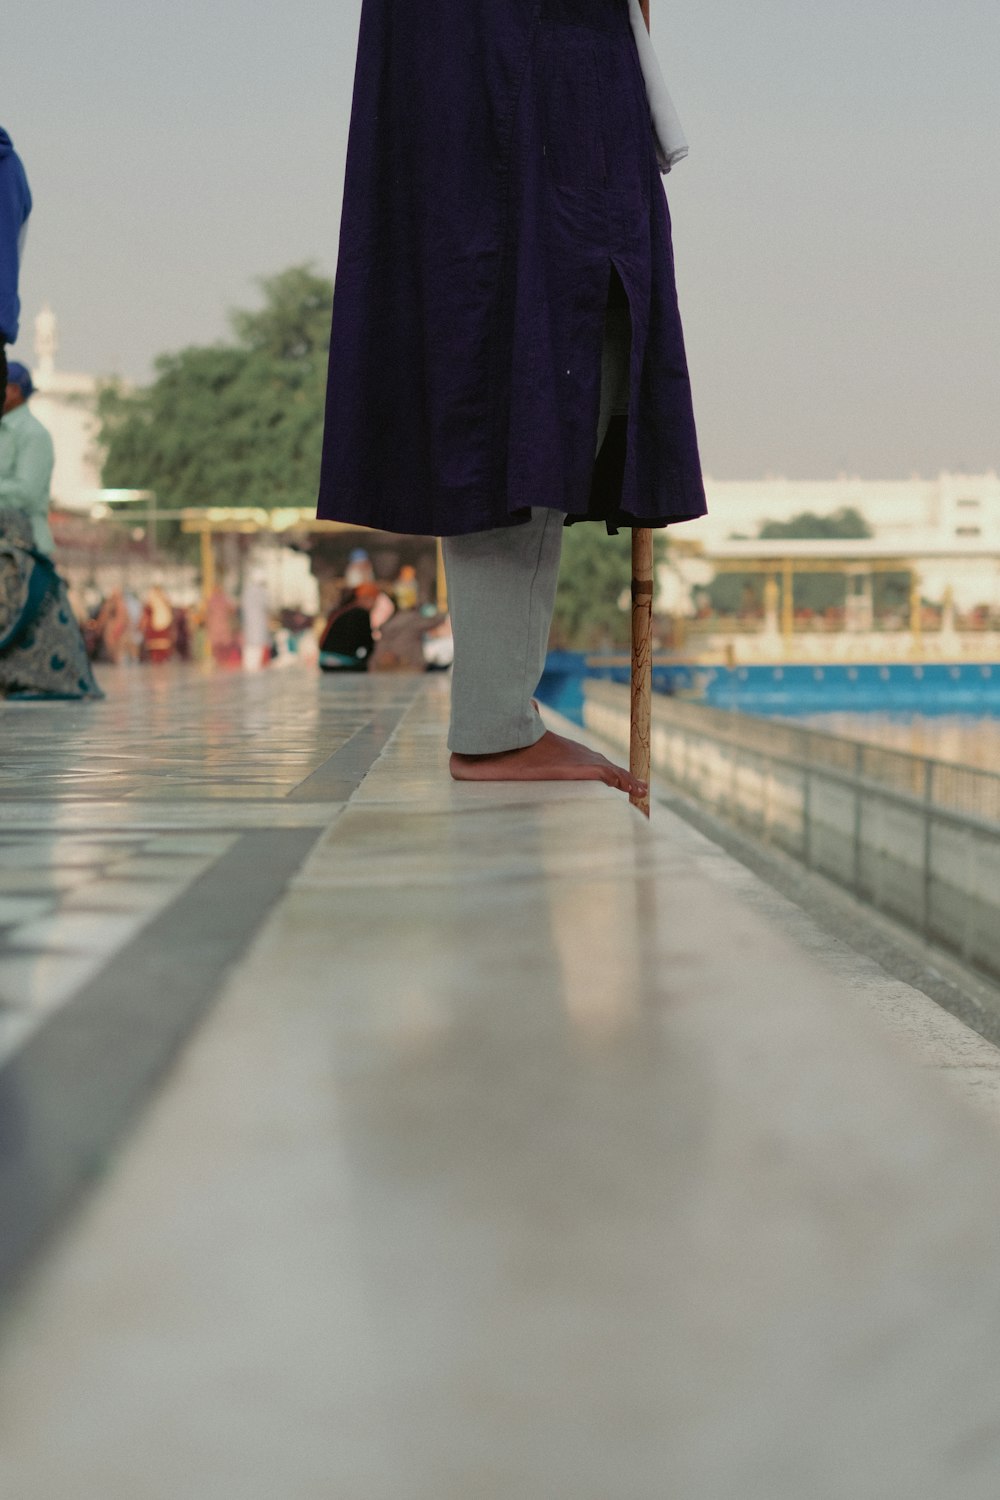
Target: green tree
[[844, 524], [596, 569], [235, 423], [820, 591], [732, 592]]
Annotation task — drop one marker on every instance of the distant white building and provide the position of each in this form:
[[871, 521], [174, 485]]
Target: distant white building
[[910, 512], [67, 405], [917, 514]]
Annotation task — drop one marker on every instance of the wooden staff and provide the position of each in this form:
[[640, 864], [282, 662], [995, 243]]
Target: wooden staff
[[642, 643], [642, 659]]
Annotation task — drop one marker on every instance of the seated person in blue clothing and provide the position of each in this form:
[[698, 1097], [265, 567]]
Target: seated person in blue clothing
[[26, 458]]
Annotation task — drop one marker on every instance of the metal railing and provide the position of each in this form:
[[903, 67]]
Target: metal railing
[[965, 789], [916, 838]]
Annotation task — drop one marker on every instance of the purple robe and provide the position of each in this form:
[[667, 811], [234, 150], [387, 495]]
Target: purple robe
[[501, 169]]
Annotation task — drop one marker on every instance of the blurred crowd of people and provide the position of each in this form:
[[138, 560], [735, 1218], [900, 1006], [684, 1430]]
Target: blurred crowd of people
[[373, 627], [376, 627], [122, 627]]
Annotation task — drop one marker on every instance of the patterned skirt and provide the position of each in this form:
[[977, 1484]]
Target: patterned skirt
[[42, 653]]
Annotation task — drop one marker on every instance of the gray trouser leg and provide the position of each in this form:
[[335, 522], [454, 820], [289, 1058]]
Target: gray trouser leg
[[501, 593], [502, 590]]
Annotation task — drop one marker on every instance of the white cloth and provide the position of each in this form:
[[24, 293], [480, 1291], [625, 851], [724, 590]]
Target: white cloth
[[671, 144], [255, 615]]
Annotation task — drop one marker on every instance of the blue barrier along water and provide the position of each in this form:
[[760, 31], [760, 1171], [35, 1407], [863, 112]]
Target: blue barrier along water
[[931, 689]]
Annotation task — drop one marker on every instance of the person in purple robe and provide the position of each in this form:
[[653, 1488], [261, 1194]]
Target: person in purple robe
[[507, 354]]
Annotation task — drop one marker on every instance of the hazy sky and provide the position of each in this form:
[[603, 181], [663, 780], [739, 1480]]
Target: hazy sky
[[837, 224]]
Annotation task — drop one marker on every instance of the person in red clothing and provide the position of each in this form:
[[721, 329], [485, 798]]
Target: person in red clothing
[[158, 627]]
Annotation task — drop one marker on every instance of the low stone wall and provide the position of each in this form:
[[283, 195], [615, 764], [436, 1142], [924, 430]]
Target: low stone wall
[[934, 868]]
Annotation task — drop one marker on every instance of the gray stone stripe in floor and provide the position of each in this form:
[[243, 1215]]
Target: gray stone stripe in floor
[[71, 1090], [338, 778], [160, 817]]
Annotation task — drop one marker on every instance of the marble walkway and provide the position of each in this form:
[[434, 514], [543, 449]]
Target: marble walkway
[[365, 1137]]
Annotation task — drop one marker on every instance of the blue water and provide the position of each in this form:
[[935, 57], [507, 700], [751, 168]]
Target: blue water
[[561, 686], [966, 689]]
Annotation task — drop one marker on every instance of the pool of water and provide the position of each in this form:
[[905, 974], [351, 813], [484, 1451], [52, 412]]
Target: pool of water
[[966, 741]]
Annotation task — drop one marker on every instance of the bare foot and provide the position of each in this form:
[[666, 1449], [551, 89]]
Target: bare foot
[[552, 758]]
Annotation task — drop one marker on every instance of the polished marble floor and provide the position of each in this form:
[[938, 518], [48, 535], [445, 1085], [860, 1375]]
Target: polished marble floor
[[109, 811], [179, 734], [457, 1142]]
